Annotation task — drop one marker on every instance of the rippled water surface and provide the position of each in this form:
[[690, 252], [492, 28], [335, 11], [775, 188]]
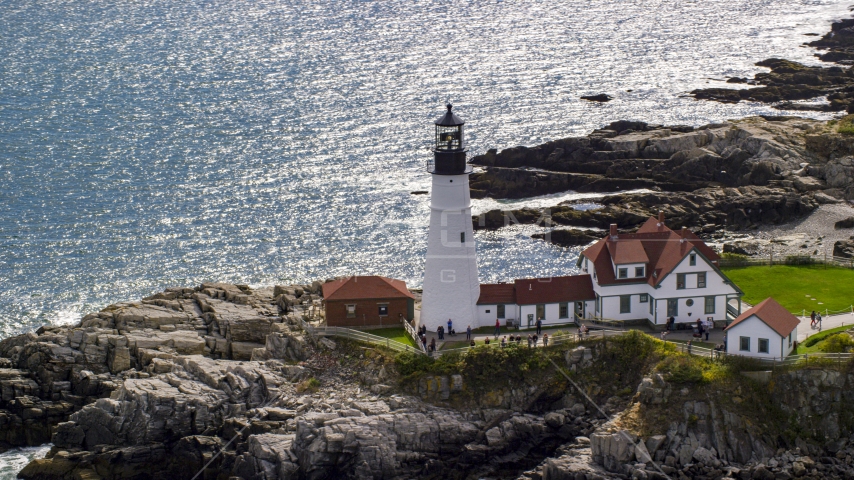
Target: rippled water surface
[[145, 143]]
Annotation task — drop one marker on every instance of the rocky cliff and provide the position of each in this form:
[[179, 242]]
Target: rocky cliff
[[221, 379], [733, 176]]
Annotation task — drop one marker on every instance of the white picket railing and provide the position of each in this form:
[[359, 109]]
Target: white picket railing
[[325, 331], [411, 331]]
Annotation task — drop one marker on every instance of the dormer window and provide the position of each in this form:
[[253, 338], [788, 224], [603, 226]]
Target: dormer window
[[622, 273], [639, 271], [692, 260]]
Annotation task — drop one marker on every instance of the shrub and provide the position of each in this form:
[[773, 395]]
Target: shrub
[[409, 363], [799, 260], [846, 125], [837, 343], [308, 385], [681, 369]]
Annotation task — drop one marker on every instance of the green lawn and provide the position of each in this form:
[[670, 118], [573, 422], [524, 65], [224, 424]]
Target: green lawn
[[397, 333], [796, 287], [816, 348]]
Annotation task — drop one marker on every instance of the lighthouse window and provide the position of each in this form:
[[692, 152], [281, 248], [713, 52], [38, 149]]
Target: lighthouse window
[[462, 237], [501, 311]]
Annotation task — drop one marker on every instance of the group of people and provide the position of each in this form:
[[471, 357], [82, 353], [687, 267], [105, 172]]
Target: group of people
[[533, 340], [704, 328], [815, 320]]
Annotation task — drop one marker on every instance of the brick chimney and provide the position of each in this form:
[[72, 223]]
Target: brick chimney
[[613, 229], [660, 216], [684, 233]]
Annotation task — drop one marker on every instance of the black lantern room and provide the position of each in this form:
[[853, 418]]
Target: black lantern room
[[449, 154]]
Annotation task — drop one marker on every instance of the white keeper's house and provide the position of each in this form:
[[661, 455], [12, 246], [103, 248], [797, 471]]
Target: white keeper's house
[[766, 331], [657, 273], [553, 300]]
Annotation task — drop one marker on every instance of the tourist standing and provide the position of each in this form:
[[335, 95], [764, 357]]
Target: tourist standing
[[689, 346], [545, 339], [535, 340], [818, 321], [497, 328], [432, 345], [503, 341], [468, 332], [530, 340], [450, 326], [539, 326], [812, 319], [441, 332]]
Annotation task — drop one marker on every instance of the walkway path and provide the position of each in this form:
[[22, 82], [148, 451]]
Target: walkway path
[[828, 322]]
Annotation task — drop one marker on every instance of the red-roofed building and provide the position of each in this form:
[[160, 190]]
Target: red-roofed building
[[367, 301], [554, 300], [767, 331], [657, 273]]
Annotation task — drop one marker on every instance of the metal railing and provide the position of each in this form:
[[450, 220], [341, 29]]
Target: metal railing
[[767, 361], [553, 340], [773, 362]]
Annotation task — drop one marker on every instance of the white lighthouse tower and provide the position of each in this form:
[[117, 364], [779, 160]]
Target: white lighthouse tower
[[451, 285]]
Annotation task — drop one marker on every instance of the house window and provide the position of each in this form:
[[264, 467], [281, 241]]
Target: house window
[[644, 298], [710, 304], [680, 281], [487, 311], [790, 337], [701, 280], [692, 260], [763, 345], [501, 311], [650, 307], [625, 304], [672, 307], [623, 272], [564, 310], [689, 302], [462, 237], [638, 271], [351, 311], [383, 310], [744, 344]]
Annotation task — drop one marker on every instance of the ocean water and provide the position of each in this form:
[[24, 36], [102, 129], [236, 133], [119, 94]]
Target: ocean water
[[152, 143]]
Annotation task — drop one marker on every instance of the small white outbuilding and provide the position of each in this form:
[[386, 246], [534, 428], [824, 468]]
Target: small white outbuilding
[[765, 331]]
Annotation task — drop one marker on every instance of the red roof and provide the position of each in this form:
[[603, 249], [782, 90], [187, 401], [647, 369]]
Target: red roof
[[773, 314], [626, 252], [497, 293], [662, 247], [365, 287], [554, 289]]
